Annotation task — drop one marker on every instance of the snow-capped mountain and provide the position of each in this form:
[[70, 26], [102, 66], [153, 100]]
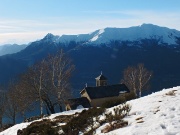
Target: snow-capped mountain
[[155, 114], [136, 33]]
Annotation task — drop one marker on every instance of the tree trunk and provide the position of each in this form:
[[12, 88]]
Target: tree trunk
[[41, 108], [14, 118], [59, 102], [60, 108], [135, 92], [50, 106], [47, 111], [139, 93], [24, 116], [1, 122]]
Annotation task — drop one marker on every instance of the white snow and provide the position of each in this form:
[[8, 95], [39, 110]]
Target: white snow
[[158, 112], [79, 107], [135, 33], [13, 130], [97, 35], [121, 92], [145, 31], [155, 114]]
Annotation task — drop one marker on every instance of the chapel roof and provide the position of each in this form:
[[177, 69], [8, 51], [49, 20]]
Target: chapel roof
[[106, 91]]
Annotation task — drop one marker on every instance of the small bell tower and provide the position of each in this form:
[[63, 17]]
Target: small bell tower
[[101, 80]]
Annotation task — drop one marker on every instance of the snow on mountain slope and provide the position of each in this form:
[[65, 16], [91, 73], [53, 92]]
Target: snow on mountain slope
[[135, 33], [155, 114], [97, 35], [145, 31]]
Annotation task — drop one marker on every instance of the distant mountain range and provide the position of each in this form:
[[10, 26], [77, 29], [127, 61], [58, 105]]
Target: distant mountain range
[[136, 33], [110, 50], [9, 49]]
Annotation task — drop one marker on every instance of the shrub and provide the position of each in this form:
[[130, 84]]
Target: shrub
[[115, 118], [113, 102], [130, 96], [82, 121], [119, 100], [63, 118], [170, 93], [44, 127]]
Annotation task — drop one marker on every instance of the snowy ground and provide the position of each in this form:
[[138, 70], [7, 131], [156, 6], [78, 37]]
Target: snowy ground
[[156, 114]]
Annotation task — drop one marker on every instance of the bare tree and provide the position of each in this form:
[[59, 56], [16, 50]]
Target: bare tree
[[16, 101], [48, 81], [143, 77], [130, 78], [60, 70], [137, 78], [2, 106], [24, 103], [12, 107], [34, 81]]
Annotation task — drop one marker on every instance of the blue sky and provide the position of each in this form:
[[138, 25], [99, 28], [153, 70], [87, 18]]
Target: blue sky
[[23, 21]]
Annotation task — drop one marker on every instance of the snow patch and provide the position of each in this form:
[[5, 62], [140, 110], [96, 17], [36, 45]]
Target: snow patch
[[79, 107], [97, 35]]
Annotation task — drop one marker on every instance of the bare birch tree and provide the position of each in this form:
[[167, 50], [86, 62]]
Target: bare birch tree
[[137, 78], [143, 77], [60, 70], [34, 80], [48, 81], [130, 76]]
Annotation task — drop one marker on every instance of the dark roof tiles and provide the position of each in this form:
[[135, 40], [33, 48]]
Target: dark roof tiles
[[106, 91]]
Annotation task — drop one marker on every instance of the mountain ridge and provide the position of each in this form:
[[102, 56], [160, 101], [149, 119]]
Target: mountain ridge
[[11, 48], [134, 33]]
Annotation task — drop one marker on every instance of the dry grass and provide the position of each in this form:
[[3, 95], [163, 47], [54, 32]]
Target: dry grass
[[138, 118], [63, 118], [140, 121], [114, 126], [171, 93], [156, 111]]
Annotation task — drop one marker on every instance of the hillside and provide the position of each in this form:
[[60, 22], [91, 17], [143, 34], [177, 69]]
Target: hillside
[[155, 114]]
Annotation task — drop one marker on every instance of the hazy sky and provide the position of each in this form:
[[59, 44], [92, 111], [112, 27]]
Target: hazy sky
[[23, 21]]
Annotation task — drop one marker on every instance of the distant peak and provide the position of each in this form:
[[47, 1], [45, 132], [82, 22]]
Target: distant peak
[[101, 31], [148, 25], [49, 36]]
